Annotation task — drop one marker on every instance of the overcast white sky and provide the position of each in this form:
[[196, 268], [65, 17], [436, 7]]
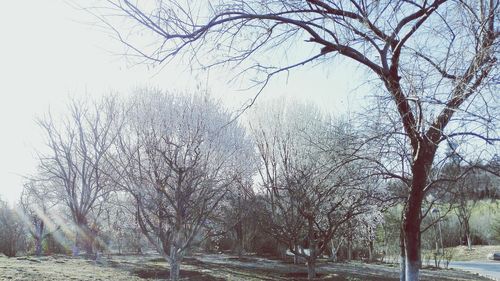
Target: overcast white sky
[[49, 51]]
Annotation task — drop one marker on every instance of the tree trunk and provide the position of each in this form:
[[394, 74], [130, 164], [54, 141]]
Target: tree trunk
[[239, 238], [175, 262], [311, 268], [174, 268], [370, 251], [333, 257], [311, 260], [88, 240], [349, 241], [349, 249], [467, 234], [75, 251], [402, 256], [412, 236], [412, 214], [39, 238], [295, 256], [38, 246], [81, 235]]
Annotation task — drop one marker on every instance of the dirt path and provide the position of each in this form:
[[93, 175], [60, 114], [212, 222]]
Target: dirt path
[[334, 271]]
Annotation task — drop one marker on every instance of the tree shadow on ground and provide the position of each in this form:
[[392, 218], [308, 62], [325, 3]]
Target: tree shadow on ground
[[161, 273]]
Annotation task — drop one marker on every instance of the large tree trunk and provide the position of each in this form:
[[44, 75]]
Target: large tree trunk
[[412, 213], [39, 238], [174, 268], [370, 251], [81, 235], [175, 256], [412, 237], [88, 240]]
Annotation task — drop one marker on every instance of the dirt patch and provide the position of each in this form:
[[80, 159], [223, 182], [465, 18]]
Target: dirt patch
[[157, 260], [300, 275], [158, 273], [242, 259]]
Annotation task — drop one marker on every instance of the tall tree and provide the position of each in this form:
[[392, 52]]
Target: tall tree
[[74, 162], [178, 156], [436, 60], [310, 177], [37, 200], [12, 231]]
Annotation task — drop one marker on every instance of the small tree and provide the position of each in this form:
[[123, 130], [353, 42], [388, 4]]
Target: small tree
[[177, 157], [74, 164], [36, 202], [310, 177], [12, 235]]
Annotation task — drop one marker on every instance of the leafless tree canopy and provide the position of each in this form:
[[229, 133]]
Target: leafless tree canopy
[[74, 162], [311, 176], [436, 60], [178, 156]]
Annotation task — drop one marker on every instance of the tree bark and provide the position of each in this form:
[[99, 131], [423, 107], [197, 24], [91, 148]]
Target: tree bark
[[333, 257], [311, 268], [174, 269], [402, 257], [76, 247], [412, 236], [412, 214], [370, 251], [239, 238], [349, 242], [295, 256], [311, 260], [175, 263], [39, 238], [467, 235], [349, 248]]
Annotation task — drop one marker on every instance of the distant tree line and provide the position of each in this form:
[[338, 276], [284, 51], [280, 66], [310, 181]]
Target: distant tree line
[[177, 173]]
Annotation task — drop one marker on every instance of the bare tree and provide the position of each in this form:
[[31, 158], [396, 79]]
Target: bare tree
[[436, 60], [238, 215], [74, 161], [12, 231], [121, 226], [178, 156], [311, 179], [36, 202]]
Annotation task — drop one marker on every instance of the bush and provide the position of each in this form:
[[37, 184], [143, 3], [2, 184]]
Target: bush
[[12, 236]]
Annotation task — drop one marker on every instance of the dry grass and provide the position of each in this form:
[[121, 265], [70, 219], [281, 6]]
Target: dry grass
[[478, 253], [202, 268], [59, 268]]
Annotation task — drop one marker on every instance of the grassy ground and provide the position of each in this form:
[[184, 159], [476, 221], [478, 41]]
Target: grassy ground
[[462, 253], [198, 268], [58, 269]]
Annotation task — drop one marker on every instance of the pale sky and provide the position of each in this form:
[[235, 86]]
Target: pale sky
[[49, 51]]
